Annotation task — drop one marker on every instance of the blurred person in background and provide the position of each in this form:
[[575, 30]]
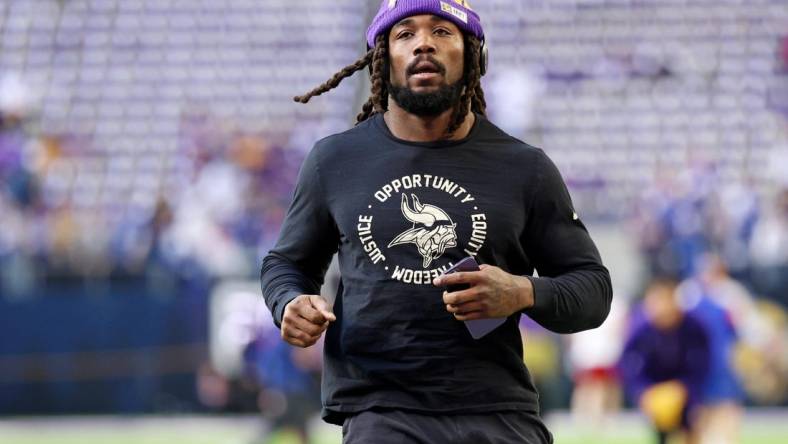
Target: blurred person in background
[[690, 213], [20, 194], [769, 250], [729, 315], [199, 233], [592, 357], [665, 362], [542, 355], [288, 379], [422, 181]]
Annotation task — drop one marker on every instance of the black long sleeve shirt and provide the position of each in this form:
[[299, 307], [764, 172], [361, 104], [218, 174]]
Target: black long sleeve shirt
[[399, 213]]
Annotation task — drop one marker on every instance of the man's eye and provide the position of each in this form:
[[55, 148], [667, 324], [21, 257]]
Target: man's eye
[[442, 31], [404, 34]]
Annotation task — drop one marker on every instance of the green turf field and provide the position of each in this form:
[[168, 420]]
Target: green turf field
[[759, 428]]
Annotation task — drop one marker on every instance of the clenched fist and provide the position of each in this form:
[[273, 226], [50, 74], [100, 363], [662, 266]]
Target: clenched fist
[[305, 318]]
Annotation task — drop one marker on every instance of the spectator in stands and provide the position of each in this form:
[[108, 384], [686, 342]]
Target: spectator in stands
[[665, 363], [19, 202]]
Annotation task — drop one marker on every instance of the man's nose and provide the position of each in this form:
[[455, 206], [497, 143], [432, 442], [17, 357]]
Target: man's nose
[[425, 45]]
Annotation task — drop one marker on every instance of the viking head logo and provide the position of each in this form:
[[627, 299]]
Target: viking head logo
[[432, 232]]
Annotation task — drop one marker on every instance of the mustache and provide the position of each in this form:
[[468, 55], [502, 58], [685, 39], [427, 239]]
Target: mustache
[[428, 58]]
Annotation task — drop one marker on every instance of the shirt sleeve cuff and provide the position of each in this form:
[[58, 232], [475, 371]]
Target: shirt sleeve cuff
[[544, 297], [288, 296]]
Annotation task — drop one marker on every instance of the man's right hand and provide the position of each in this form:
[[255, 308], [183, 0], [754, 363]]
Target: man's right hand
[[306, 317]]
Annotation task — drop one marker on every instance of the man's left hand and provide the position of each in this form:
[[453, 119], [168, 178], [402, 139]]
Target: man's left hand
[[494, 293]]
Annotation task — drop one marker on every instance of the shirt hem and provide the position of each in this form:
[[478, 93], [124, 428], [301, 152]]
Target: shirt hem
[[337, 414]]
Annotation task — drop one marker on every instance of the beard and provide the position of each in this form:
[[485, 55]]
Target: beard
[[426, 104]]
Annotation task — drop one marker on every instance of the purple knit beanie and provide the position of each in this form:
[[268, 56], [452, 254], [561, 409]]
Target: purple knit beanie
[[392, 11]]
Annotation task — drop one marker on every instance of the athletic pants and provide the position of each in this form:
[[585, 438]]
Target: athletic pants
[[406, 427]]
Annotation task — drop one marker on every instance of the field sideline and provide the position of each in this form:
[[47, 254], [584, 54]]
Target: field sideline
[[760, 426]]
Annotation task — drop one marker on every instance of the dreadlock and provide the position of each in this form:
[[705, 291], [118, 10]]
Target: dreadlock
[[337, 78], [472, 96], [378, 101]]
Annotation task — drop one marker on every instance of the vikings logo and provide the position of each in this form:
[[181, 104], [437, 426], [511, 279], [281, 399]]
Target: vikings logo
[[432, 232]]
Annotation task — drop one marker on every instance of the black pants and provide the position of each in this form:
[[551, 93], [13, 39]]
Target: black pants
[[404, 427]]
